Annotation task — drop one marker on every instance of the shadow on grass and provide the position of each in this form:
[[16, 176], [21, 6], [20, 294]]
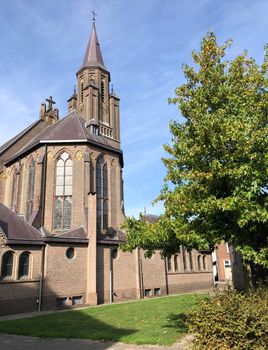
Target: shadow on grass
[[177, 321], [70, 324]]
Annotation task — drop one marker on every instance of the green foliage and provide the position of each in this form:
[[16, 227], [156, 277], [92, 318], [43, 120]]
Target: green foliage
[[217, 170], [231, 320]]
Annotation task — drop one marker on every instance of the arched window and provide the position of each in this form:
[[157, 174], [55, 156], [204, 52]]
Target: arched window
[[13, 189], [191, 260], [199, 262], [82, 91], [91, 177], [63, 193], [24, 264], [176, 266], [169, 263], [102, 194], [7, 265], [204, 263], [30, 190], [184, 259]]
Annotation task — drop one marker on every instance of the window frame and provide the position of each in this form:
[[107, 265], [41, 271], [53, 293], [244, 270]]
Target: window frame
[[64, 198], [11, 275]]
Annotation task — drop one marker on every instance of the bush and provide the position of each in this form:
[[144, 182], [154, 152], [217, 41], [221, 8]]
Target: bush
[[231, 320]]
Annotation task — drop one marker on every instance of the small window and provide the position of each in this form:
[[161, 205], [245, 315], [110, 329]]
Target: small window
[[7, 265], [227, 263], [147, 292], [199, 262], [204, 263], [24, 264], [102, 91], [184, 259], [176, 268], [61, 302], [70, 253], [77, 300], [191, 260], [114, 253], [157, 291]]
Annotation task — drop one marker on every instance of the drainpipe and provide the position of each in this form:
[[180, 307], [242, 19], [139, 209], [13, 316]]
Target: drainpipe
[[41, 279], [141, 275], [111, 275]]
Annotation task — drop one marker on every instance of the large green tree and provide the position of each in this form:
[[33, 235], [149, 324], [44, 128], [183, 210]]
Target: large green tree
[[217, 169]]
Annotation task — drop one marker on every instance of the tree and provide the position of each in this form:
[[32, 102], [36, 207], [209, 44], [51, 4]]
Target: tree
[[216, 187]]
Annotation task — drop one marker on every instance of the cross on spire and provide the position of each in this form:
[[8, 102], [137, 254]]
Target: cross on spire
[[94, 15], [50, 102]]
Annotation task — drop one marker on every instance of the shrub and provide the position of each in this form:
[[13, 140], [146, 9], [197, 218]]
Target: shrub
[[231, 320]]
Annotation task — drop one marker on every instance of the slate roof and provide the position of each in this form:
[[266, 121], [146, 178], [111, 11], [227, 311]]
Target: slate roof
[[15, 228], [93, 56], [71, 128], [75, 233]]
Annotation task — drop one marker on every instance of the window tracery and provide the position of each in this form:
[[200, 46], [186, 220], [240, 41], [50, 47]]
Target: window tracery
[[63, 193]]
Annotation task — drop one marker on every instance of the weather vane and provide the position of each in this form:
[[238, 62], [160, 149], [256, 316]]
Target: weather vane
[[94, 15]]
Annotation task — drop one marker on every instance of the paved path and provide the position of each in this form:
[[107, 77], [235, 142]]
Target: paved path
[[18, 342]]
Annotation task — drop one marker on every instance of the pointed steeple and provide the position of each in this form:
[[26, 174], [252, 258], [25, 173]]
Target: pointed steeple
[[93, 56]]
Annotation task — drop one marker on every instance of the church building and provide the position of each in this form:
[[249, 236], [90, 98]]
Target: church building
[[62, 207]]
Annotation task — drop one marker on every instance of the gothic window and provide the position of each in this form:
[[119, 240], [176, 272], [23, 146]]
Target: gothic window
[[191, 260], [30, 190], [63, 193], [176, 267], [91, 177], [204, 263], [102, 91], [199, 262], [102, 194], [7, 265], [184, 259], [24, 264], [169, 264], [82, 91], [13, 189]]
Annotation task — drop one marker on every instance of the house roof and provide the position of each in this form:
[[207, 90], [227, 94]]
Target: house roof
[[14, 227]]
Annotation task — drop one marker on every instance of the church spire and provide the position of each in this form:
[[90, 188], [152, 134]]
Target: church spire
[[93, 56]]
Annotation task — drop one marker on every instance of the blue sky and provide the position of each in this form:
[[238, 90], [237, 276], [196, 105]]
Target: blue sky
[[144, 44]]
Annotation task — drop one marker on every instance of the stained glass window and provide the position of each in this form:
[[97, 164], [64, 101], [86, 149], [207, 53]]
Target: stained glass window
[[169, 263], [14, 189], [102, 194], [24, 264], [30, 190], [63, 192], [7, 265]]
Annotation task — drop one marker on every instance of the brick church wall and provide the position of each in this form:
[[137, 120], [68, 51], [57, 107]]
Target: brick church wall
[[64, 278]]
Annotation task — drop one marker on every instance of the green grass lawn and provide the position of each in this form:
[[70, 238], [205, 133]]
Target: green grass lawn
[[154, 321]]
